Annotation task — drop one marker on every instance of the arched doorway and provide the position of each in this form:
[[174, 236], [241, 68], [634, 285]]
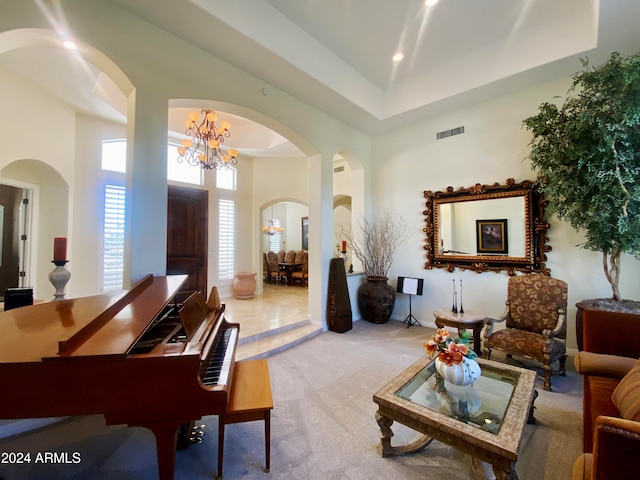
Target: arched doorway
[[42, 217], [292, 218]]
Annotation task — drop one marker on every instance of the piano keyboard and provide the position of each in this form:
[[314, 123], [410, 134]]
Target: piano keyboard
[[216, 372]]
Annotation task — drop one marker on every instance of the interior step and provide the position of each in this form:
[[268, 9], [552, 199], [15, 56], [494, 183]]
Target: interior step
[[269, 343]]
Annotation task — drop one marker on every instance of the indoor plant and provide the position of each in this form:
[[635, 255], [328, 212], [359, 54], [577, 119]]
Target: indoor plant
[[374, 248], [586, 153]]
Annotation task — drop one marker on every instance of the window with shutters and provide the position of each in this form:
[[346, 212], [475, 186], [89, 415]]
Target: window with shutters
[[226, 238], [114, 163], [275, 241], [113, 238]]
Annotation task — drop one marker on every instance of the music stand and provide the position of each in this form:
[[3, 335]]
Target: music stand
[[410, 286]]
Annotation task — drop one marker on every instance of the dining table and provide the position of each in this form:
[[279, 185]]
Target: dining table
[[289, 268]]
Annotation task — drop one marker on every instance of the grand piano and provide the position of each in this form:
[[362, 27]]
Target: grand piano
[[132, 356]]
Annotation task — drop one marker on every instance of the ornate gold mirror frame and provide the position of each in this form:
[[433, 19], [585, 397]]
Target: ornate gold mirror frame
[[458, 222]]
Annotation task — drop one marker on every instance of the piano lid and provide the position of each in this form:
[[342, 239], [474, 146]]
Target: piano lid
[[106, 324]]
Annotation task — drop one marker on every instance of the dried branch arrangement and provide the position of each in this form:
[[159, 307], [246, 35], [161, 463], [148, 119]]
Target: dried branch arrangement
[[377, 242]]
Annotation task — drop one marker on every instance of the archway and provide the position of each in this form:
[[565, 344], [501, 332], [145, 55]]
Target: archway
[[46, 217], [70, 190], [292, 216]]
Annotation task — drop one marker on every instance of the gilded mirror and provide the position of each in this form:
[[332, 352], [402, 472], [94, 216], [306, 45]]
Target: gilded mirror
[[487, 227]]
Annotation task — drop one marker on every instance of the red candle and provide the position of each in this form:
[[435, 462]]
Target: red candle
[[59, 249], [344, 245]]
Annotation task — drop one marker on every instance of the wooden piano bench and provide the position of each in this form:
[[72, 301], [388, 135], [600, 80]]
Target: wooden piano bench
[[250, 400]]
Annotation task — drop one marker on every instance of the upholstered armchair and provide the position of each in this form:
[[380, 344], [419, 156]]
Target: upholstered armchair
[[610, 357], [274, 267], [266, 276], [302, 274], [611, 417], [290, 257], [535, 321], [301, 257]]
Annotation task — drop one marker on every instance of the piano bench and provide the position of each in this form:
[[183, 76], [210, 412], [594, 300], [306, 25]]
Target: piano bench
[[250, 400]]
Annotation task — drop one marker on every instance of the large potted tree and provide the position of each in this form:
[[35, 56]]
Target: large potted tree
[[374, 247], [586, 153]]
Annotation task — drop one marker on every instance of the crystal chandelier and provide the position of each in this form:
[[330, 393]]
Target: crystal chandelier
[[271, 228], [204, 149]]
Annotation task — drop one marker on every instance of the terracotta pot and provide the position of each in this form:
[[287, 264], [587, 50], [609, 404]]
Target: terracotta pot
[[376, 299], [244, 285]]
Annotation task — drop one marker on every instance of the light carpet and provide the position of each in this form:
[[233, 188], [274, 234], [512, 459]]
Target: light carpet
[[323, 425]]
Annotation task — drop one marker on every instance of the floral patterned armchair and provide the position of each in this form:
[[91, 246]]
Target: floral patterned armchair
[[290, 257], [274, 267], [535, 323]]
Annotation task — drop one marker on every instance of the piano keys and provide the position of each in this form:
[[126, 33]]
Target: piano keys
[[132, 356]]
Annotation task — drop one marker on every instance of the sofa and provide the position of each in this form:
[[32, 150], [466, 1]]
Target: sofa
[[611, 402]]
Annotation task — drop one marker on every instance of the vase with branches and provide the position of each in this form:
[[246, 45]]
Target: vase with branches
[[374, 246], [376, 243]]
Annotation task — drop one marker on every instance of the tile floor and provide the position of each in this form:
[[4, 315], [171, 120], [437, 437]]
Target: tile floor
[[277, 307]]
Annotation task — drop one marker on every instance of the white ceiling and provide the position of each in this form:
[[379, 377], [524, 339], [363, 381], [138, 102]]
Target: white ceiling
[[336, 54]]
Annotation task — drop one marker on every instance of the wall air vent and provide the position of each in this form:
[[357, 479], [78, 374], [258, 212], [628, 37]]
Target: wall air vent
[[338, 169], [449, 133]]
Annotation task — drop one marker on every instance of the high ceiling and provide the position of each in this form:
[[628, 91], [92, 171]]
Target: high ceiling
[[337, 55]]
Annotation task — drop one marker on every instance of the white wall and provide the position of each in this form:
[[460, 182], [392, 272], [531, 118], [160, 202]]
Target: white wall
[[492, 149], [293, 225], [37, 146], [35, 125]]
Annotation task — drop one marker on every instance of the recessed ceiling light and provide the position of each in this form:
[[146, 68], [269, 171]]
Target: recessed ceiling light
[[430, 3], [70, 45], [397, 57]]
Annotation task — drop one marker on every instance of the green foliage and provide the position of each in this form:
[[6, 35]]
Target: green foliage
[[465, 337], [586, 154]]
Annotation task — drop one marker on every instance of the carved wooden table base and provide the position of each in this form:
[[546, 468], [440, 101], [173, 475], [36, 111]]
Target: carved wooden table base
[[506, 471], [385, 449]]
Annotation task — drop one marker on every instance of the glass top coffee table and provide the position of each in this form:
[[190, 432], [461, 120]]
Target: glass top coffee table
[[485, 420]]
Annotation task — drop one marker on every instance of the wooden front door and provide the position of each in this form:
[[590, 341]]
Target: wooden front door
[[187, 238]]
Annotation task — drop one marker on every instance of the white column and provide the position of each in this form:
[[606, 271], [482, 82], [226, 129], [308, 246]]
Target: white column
[[146, 245], [320, 233]]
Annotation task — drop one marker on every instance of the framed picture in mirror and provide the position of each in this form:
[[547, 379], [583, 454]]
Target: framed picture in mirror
[[492, 236]]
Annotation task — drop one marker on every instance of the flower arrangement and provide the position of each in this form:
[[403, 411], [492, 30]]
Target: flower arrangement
[[450, 350]]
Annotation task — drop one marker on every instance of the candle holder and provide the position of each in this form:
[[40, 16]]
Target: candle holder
[[59, 277], [454, 307]]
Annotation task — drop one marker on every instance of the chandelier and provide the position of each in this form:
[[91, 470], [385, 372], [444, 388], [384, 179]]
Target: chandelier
[[271, 228], [204, 149]]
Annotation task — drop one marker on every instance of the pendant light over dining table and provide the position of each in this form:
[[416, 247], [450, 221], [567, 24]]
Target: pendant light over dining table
[[204, 147], [271, 228]]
